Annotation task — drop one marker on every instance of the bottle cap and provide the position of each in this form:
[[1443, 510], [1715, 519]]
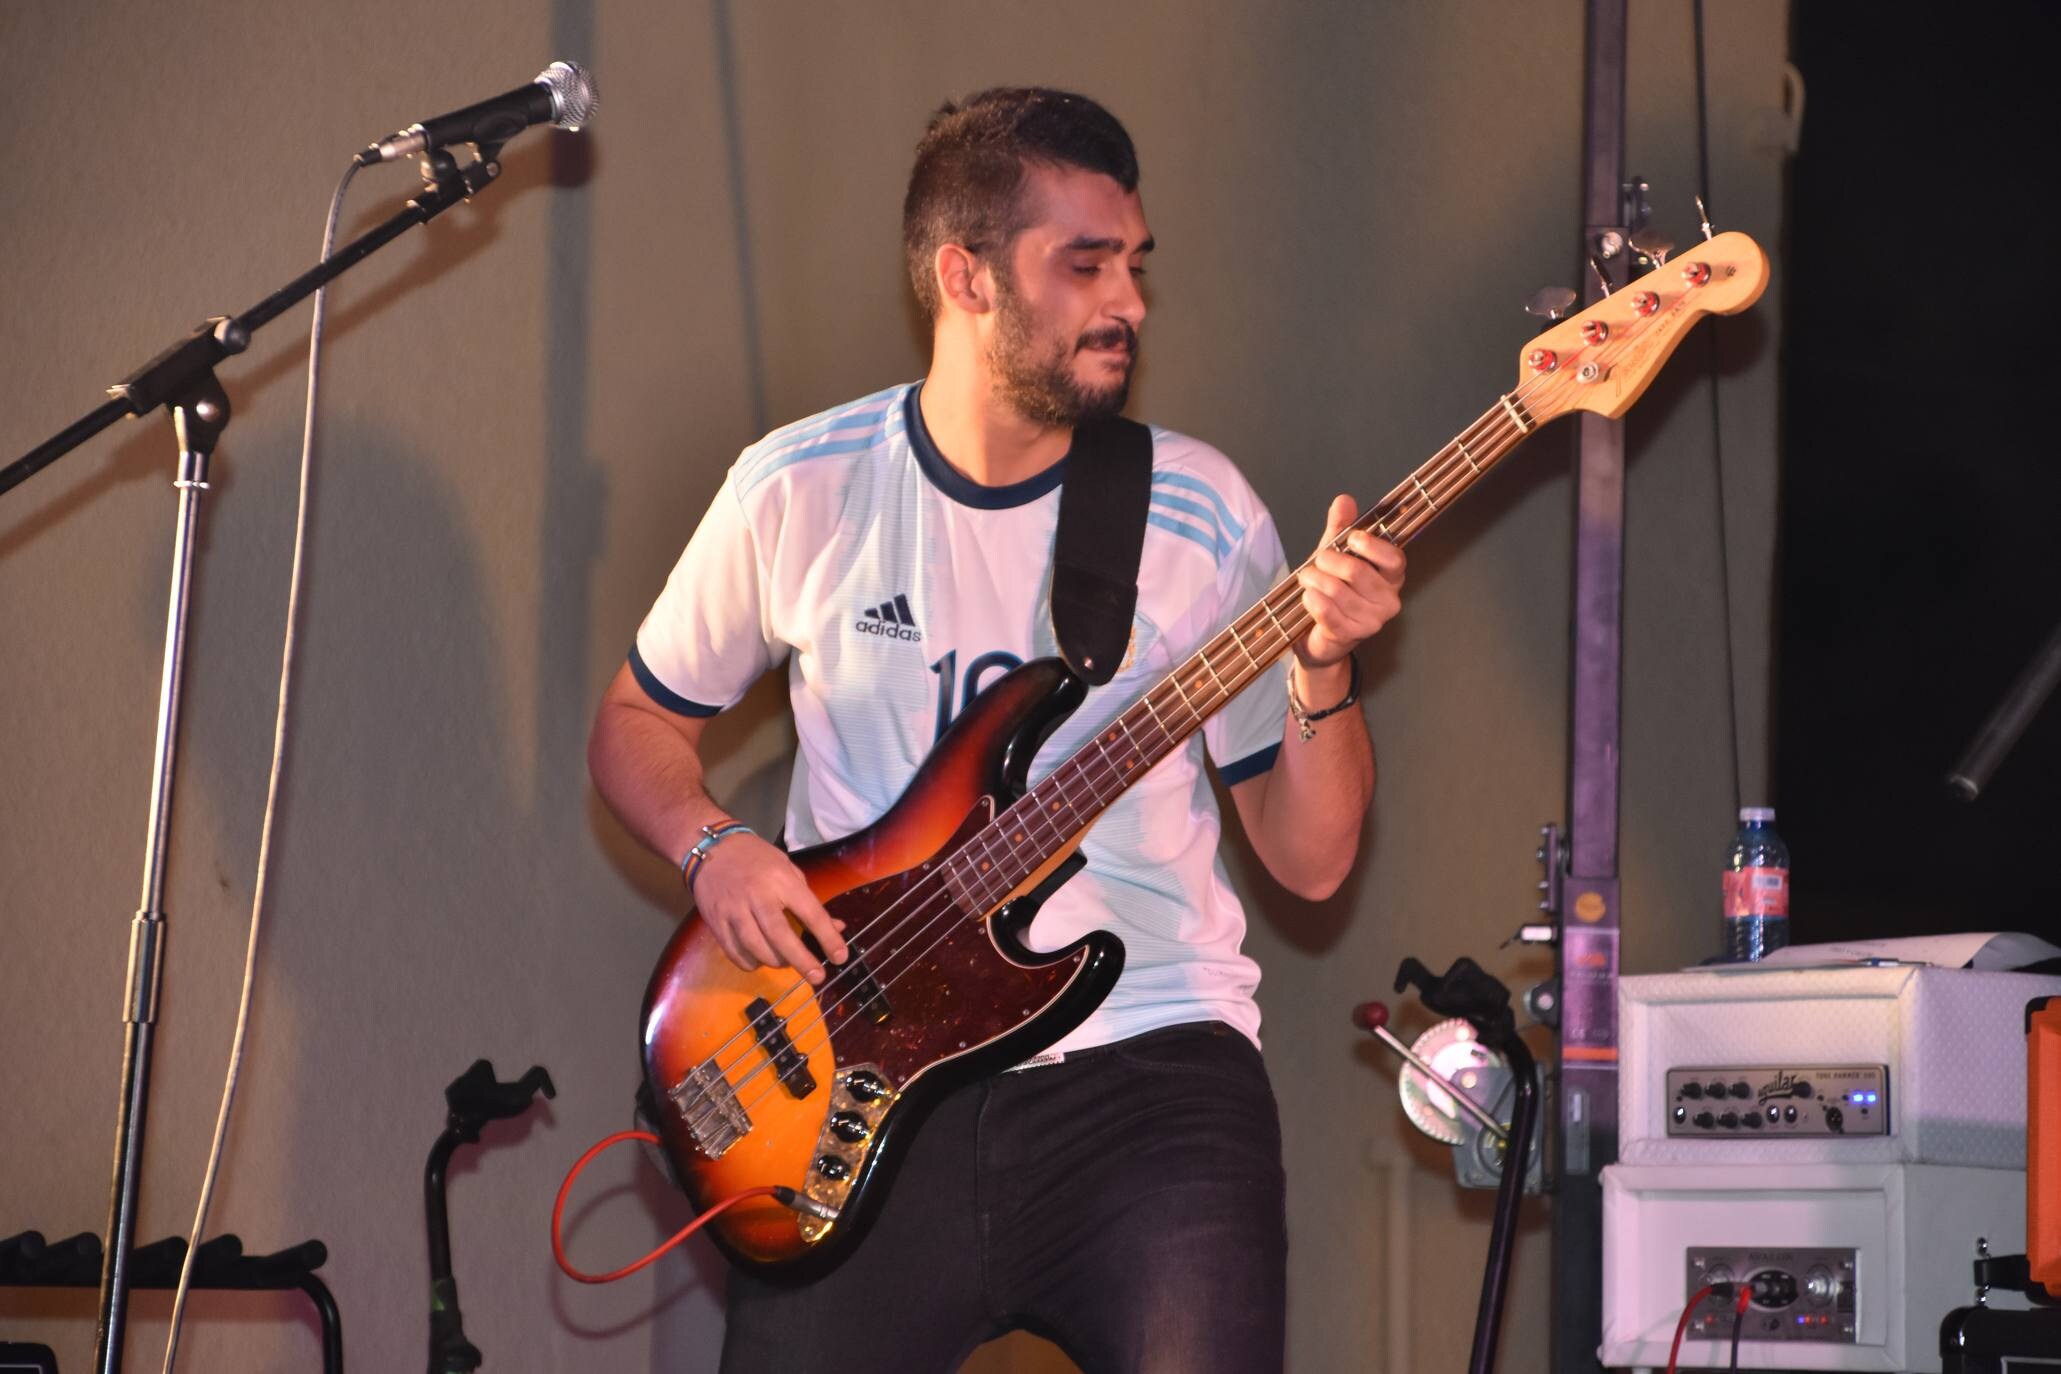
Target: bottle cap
[[1756, 813]]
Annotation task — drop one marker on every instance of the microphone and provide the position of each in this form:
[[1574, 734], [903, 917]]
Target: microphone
[[563, 94]]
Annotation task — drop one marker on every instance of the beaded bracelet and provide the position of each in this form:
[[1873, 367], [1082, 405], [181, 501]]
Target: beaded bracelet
[[1306, 719], [711, 834]]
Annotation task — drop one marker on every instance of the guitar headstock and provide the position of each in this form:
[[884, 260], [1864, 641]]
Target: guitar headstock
[[1603, 359]]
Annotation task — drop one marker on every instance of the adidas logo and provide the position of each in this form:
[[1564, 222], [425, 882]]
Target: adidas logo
[[891, 619]]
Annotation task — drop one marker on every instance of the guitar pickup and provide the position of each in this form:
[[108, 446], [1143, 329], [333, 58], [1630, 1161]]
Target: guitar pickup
[[872, 999], [788, 1064]]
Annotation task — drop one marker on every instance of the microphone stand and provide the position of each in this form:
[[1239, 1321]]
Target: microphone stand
[[182, 379]]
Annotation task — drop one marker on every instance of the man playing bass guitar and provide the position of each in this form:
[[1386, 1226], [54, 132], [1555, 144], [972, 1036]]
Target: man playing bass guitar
[[1121, 1194]]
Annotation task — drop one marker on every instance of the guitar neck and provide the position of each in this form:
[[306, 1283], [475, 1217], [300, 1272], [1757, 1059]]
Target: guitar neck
[[1049, 817]]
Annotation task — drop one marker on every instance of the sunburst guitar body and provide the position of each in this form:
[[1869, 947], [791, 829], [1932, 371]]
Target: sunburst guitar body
[[768, 1079]]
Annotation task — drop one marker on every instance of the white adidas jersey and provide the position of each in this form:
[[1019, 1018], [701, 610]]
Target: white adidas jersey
[[895, 589]]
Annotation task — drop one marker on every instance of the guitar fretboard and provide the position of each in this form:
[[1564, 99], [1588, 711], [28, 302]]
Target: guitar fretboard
[[1035, 829]]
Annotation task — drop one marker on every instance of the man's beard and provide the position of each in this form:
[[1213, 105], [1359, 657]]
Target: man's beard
[[1040, 385]]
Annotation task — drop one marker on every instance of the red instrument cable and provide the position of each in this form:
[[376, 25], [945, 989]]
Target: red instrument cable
[[1709, 1290], [565, 1190]]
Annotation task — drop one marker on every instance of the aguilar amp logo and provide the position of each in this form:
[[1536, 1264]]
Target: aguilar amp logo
[[891, 619]]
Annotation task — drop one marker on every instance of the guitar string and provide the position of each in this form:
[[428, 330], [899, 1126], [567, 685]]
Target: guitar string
[[1411, 511]]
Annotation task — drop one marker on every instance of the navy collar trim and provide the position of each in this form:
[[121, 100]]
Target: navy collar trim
[[958, 485]]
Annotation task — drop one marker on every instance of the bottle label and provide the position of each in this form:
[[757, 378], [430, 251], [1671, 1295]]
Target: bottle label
[[1756, 892]]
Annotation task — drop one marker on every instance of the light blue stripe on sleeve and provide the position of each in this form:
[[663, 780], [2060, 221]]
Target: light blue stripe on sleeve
[[1231, 524], [827, 448], [1185, 530], [1174, 507]]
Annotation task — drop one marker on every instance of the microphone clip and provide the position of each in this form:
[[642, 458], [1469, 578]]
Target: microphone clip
[[447, 182]]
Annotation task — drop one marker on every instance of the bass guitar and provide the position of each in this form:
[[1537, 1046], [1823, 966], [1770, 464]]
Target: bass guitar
[[757, 1079]]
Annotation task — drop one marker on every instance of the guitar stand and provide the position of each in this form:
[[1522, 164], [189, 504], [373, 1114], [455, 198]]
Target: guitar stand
[[1469, 992], [475, 1097], [26, 1261]]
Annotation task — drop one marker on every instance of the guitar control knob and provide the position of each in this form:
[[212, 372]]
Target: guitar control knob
[[1696, 273], [849, 1127], [865, 1086], [1542, 360], [1595, 331], [1645, 303], [831, 1167]]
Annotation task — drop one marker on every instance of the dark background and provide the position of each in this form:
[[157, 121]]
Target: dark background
[[1918, 572]]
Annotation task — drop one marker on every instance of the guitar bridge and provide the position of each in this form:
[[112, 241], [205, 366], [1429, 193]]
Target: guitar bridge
[[708, 1107], [788, 1064]]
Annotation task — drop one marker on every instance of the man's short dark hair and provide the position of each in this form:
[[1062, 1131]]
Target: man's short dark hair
[[971, 163]]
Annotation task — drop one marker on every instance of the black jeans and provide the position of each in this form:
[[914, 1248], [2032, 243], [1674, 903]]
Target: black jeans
[[1125, 1204]]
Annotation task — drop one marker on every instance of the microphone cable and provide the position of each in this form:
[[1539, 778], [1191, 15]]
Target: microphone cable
[[257, 904], [1717, 433]]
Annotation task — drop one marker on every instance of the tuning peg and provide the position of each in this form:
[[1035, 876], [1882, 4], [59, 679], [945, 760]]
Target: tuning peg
[[1703, 216], [1653, 247], [1549, 302]]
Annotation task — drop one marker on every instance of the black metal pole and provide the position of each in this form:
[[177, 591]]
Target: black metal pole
[[1585, 1126], [1495, 1277], [2008, 721]]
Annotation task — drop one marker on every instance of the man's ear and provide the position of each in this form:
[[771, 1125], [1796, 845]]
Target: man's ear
[[963, 281]]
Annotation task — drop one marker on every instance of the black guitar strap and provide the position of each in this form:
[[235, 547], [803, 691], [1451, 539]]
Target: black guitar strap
[[1100, 538]]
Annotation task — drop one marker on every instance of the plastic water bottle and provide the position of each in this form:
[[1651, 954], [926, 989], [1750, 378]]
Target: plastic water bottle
[[1756, 887]]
